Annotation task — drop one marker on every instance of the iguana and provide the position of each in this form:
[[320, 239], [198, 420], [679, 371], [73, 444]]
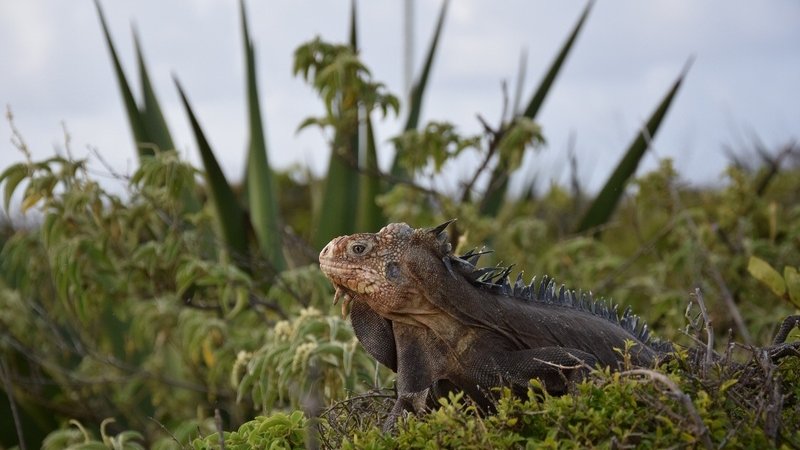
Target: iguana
[[442, 323]]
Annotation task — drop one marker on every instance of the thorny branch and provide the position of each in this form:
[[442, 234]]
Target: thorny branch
[[494, 140]]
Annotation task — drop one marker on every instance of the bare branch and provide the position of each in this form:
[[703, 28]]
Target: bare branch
[[13, 404], [220, 430], [709, 330]]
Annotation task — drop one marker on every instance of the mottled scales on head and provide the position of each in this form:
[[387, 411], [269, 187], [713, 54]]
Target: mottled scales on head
[[373, 267]]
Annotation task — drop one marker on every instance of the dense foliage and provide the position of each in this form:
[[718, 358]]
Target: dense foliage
[[168, 310], [131, 309]]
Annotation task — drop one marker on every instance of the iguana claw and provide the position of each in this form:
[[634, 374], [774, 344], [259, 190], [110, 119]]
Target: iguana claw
[[340, 293], [337, 295], [345, 304]]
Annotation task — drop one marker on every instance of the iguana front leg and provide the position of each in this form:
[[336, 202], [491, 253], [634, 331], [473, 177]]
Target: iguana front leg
[[418, 402], [419, 377]]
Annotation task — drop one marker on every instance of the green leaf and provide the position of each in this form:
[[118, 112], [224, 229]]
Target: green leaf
[[261, 188], [418, 88], [606, 201], [498, 181], [336, 77], [763, 272], [792, 280], [370, 215], [340, 198], [353, 27], [13, 175], [152, 118], [154, 123], [523, 65], [230, 216], [539, 96], [135, 119]]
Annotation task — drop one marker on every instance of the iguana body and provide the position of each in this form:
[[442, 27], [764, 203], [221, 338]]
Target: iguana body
[[440, 322]]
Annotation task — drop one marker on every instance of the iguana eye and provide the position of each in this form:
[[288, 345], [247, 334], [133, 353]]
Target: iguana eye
[[358, 248]]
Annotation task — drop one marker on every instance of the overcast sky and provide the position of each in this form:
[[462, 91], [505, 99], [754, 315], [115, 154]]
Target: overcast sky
[[745, 80]]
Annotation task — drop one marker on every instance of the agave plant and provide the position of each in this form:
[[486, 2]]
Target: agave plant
[[347, 200], [235, 219]]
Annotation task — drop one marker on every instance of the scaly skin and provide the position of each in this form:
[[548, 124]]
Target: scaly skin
[[419, 310]]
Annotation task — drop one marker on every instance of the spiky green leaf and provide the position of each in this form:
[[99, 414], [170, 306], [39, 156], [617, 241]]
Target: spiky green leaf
[[498, 181], [606, 201], [536, 101], [338, 210], [230, 216], [135, 119], [418, 88], [152, 118], [261, 195], [370, 215], [353, 26]]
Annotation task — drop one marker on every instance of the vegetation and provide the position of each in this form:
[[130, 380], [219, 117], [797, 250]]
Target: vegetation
[[189, 312]]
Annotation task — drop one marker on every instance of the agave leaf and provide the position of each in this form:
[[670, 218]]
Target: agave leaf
[[338, 209], [134, 114], [370, 215], [538, 97], [152, 118], [353, 27], [154, 123], [498, 181], [606, 201], [261, 188], [337, 212], [418, 88], [521, 71], [496, 192], [230, 216]]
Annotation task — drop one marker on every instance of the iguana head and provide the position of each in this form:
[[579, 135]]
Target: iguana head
[[388, 270]]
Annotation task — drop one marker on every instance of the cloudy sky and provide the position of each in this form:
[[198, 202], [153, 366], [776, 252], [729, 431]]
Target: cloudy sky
[[745, 80]]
